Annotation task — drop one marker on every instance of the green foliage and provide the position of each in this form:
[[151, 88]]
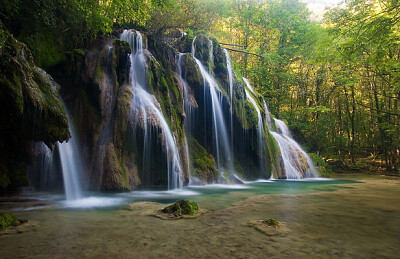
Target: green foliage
[[191, 15], [320, 164], [8, 219], [336, 84]]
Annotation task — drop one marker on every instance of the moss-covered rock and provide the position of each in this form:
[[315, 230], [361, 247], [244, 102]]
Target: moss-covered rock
[[31, 110], [182, 207], [271, 222], [270, 227], [203, 163]]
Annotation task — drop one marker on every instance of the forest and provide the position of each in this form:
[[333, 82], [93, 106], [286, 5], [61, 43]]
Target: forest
[[336, 82]]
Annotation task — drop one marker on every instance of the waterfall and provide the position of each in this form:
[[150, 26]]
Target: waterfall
[[210, 55], [230, 80], [146, 111], [188, 102], [41, 171], [268, 119], [297, 164], [188, 105], [220, 135], [282, 128], [260, 127], [71, 164]]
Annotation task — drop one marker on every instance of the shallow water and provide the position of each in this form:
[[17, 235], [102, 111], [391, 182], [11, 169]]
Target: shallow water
[[343, 218]]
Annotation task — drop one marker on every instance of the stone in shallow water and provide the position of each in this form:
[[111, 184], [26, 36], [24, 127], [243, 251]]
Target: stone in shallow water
[[270, 227], [11, 225], [180, 209]]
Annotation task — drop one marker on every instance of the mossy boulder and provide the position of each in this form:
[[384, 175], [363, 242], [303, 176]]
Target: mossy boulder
[[271, 222], [270, 227], [182, 207], [7, 220]]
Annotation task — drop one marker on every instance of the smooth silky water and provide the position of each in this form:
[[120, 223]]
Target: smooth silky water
[[333, 218]]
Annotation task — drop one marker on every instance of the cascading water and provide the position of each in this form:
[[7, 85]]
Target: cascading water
[[282, 128], [188, 106], [268, 119], [71, 164], [230, 80], [42, 167], [297, 164], [260, 127], [210, 55], [220, 135], [187, 99], [146, 111]]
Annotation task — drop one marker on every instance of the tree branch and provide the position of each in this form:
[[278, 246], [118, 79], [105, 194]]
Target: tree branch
[[234, 45], [245, 52]]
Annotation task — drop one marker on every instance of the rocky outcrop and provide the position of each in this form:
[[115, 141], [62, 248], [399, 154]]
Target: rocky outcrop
[[95, 87], [31, 110]]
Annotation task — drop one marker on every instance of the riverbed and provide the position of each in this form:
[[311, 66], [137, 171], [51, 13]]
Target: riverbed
[[356, 217]]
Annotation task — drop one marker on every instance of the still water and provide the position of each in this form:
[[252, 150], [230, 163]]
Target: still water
[[325, 218]]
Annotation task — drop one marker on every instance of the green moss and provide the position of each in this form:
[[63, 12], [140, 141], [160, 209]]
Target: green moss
[[32, 110], [274, 153], [182, 207], [46, 51], [12, 91], [80, 52], [271, 222], [8, 219], [150, 80], [203, 164]]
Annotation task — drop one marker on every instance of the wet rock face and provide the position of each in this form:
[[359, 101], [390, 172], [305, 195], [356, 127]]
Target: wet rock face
[[110, 129], [94, 85], [100, 102], [31, 110], [244, 119]]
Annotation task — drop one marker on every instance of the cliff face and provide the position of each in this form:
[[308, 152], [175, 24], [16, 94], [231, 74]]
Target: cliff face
[[32, 111], [124, 151]]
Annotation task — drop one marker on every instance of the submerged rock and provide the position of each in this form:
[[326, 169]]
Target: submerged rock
[[270, 227]]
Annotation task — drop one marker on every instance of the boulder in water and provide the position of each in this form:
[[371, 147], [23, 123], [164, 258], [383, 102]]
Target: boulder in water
[[270, 227], [182, 207]]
